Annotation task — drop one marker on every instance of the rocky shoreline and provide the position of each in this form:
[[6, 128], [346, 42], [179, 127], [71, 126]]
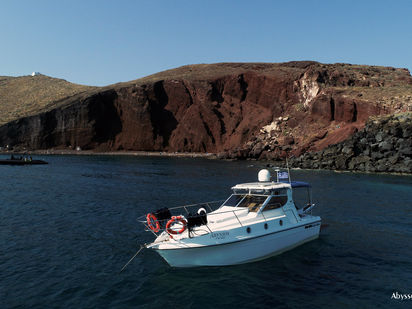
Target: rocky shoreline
[[384, 145], [113, 153]]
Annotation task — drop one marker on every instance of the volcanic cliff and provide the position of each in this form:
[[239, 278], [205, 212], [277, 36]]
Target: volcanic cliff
[[239, 110]]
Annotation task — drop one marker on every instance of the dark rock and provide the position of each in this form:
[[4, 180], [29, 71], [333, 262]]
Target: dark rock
[[399, 142], [329, 164], [355, 162], [407, 132], [393, 159], [364, 141], [347, 150], [379, 137], [369, 167], [382, 165], [367, 151], [376, 155], [330, 151], [405, 167], [396, 131], [406, 151], [386, 145], [374, 147], [340, 162], [389, 154], [392, 154]]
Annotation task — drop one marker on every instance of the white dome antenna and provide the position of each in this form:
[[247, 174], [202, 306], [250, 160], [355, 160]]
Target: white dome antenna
[[264, 175]]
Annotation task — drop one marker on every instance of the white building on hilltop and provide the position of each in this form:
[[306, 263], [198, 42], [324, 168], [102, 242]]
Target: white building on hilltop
[[35, 73]]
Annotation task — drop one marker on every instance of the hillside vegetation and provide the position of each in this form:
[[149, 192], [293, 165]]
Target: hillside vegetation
[[29, 95]]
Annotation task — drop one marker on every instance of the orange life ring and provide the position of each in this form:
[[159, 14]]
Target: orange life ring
[[174, 220], [152, 222]]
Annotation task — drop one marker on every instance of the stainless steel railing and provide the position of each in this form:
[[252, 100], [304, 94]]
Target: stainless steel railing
[[210, 205]]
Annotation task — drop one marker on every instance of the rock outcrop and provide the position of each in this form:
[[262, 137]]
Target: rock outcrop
[[239, 110], [384, 145]]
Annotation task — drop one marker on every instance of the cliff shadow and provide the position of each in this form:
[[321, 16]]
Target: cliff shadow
[[163, 121], [107, 122]]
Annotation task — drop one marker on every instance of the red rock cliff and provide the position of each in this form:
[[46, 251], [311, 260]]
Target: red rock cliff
[[247, 110]]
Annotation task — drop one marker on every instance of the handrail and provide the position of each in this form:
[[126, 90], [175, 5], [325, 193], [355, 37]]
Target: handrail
[[142, 219], [209, 214], [237, 218], [190, 205], [197, 204], [163, 222], [210, 208], [263, 216]]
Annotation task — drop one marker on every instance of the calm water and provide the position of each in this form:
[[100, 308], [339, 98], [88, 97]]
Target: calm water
[[67, 228]]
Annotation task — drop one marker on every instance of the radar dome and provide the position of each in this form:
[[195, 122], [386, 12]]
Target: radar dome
[[264, 175]]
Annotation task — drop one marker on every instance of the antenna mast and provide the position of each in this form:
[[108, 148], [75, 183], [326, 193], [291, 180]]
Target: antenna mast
[[287, 166]]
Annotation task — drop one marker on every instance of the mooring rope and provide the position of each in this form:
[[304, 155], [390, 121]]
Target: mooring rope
[[138, 251]]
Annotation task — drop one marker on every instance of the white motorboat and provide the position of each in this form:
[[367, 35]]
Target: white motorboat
[[259, 220]]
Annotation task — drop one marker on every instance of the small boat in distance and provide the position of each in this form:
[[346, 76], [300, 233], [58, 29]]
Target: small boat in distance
[[258, 220], [21, 160]]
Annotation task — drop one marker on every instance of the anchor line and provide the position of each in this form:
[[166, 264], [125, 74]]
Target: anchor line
[[138, 251]]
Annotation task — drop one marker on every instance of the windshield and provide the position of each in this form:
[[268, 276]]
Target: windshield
[[234, 200], [276, 202], [253, 202]]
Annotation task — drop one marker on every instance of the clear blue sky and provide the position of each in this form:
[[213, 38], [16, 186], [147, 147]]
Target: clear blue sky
[[104, 42]]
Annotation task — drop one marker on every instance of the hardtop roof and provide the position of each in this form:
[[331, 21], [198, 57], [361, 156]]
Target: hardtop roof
[[266, 185], [270, 185]]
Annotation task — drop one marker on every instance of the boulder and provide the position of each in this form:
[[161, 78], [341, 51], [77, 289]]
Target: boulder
[[379, 137], [386, 145], [340, 162], [356, 161], [347, 150]]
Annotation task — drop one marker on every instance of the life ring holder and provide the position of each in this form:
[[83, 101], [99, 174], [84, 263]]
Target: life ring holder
[[176, 219], [152, 222]]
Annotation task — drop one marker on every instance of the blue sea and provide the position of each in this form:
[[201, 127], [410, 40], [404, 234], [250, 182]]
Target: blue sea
[[67, 228]]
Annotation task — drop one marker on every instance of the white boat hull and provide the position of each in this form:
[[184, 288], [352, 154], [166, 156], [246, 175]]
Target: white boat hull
[[242, 251]]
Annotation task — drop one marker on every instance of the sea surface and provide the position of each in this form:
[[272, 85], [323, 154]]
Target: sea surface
[[67, 228]]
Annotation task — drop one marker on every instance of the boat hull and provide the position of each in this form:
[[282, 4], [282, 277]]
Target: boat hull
[[242, 251]]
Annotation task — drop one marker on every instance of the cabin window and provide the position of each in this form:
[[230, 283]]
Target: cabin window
[[276, 202], [279, 192], [253, 202], [233, 200]]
